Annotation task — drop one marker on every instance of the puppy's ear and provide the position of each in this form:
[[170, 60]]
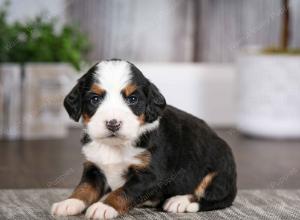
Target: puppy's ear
[[73, 103], [156, 103]]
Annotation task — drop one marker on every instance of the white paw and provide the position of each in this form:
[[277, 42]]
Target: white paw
[[100, 210], [68, 207], [177, 204]]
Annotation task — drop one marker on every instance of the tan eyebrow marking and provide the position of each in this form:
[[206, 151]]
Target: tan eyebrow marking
[[129, 89], [95, 88]]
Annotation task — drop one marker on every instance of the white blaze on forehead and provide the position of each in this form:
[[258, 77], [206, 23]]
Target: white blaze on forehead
[[114, 75]]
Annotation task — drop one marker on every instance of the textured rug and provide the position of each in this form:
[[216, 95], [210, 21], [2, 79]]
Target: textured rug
[[249, 204]]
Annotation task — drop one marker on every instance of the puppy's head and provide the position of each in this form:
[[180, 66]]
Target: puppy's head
[[116, 102]]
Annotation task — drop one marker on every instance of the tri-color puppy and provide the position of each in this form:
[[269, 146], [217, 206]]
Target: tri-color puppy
[[140, 151]]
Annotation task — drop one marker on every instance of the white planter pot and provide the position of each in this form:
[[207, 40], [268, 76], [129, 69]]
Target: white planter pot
[[269, 95], [44, 88], [10, 101]]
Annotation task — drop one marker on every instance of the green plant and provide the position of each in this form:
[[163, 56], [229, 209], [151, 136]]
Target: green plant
[[37, 40], [4, 39]]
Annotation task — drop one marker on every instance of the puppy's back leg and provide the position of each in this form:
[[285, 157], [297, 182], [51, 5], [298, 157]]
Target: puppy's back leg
[[213, 192], [216, 192]]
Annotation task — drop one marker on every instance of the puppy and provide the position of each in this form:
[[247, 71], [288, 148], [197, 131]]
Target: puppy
[[140, 151]]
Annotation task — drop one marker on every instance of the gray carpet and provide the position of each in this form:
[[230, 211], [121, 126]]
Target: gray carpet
[[249, 204]]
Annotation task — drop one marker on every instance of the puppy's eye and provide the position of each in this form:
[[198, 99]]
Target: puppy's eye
[[132, 100], [95, 100]]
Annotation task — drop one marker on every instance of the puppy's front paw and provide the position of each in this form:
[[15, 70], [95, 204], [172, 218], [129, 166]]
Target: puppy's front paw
[[68, 207], [179, 204], [100, 210]]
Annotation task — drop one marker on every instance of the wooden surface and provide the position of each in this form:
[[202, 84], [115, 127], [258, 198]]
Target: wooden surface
[[180, 30], [58, 163]]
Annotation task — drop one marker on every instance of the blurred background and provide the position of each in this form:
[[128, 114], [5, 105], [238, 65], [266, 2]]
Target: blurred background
[[234, 63]]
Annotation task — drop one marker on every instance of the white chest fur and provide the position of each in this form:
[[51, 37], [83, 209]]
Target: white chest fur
[[112, 160]]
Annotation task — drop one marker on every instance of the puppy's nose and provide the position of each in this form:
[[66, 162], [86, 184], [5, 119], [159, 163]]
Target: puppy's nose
[[113, 125]]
